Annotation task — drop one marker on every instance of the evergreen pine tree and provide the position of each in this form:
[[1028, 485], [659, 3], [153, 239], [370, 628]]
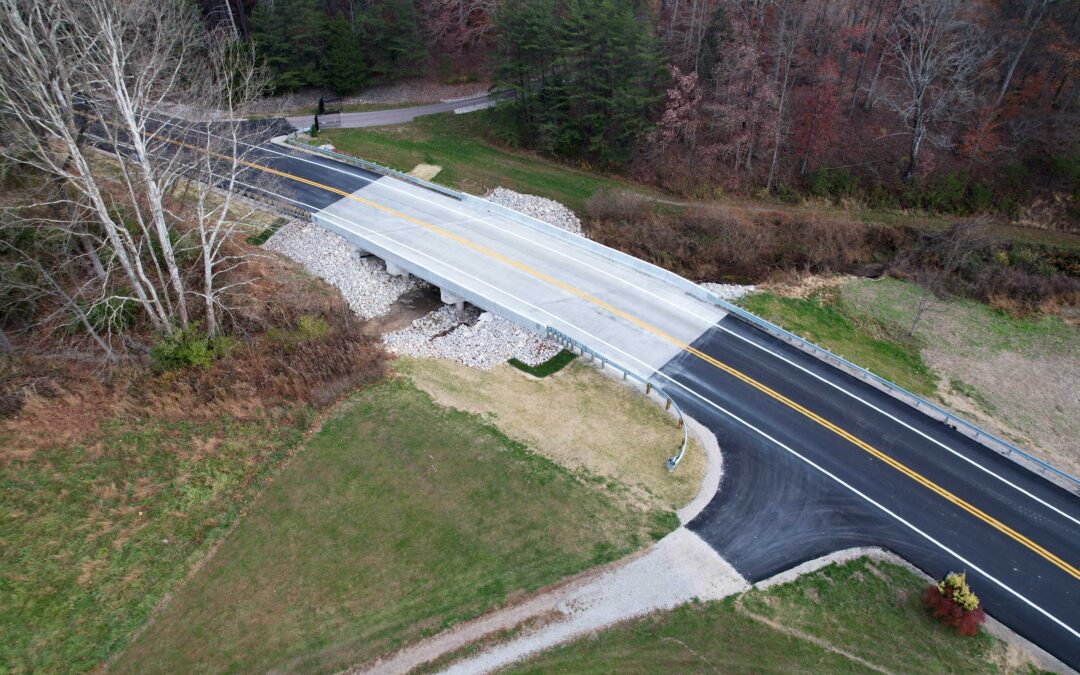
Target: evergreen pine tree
[[524, 57], [587, 75], [344, 68], [291, 38], [392, 40]]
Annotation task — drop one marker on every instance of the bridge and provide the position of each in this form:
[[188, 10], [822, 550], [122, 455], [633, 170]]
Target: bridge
[[818, 456]]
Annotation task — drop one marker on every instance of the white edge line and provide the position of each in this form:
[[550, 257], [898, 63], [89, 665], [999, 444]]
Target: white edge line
[[900, 422]]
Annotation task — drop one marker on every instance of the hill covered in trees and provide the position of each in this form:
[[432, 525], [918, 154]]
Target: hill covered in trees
[[943, 105]]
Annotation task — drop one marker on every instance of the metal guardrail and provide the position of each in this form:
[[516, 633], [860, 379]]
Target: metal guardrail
[[265, 201], [963, 426], [570, 343], [914, 400]]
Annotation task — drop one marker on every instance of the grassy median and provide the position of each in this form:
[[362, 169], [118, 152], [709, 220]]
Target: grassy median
[[399, 519]]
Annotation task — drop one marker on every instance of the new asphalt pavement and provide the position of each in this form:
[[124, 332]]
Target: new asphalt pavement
[[794, 490]]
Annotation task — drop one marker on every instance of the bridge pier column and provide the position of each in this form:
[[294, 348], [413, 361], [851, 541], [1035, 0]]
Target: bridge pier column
[[451, 299], [394, 270]]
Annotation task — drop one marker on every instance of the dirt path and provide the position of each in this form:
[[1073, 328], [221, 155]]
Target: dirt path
[[798, 634], [678, 569]]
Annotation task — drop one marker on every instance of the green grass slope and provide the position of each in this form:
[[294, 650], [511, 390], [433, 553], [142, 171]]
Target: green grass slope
[[399, 519]]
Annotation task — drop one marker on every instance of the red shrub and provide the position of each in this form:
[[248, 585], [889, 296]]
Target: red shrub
[[949, 612]]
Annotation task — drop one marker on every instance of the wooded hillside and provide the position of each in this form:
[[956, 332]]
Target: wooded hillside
[[946, 105]]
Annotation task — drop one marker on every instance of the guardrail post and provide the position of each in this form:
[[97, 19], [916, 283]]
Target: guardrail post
[[648, 388]]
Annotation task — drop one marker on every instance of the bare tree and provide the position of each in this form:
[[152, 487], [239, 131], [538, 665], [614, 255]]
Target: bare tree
[[82, 77], [40, 80], [1033, 14], [458, 24], [791, 19], [942, 257], [934, 58]]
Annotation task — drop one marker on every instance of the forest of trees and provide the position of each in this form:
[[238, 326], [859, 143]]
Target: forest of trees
[[305, 46], [848, 95], [950, 105]]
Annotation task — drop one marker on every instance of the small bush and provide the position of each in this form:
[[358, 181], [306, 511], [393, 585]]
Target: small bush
[[946, 194], [188, 347], [311, 327], [952, 602], [261, 238], [549, 367], [980, 197], [1065, 168], [836, 184], [114, 315]]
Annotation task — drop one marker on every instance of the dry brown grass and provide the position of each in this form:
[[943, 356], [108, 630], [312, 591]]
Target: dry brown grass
[[579, 418], [63, 401], [713, 241]]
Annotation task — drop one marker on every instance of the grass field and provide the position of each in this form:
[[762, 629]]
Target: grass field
[[853, 617], [95, 534], [398, 519], [580, 418], [879, 345], [1015, 376], [469, 163]]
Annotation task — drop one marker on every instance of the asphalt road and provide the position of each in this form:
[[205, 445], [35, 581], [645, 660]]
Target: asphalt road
[[378, 118], [814, 460], [774, 509]]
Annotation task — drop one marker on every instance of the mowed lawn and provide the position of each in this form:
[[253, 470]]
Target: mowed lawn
[[398, 519], [94, 533], [859, 616], [469, 162]]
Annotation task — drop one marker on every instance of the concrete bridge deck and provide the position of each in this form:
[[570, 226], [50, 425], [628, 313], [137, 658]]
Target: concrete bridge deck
[[478, 256]]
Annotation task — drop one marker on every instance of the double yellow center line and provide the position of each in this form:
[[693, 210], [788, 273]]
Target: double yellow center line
[[859, 443]]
